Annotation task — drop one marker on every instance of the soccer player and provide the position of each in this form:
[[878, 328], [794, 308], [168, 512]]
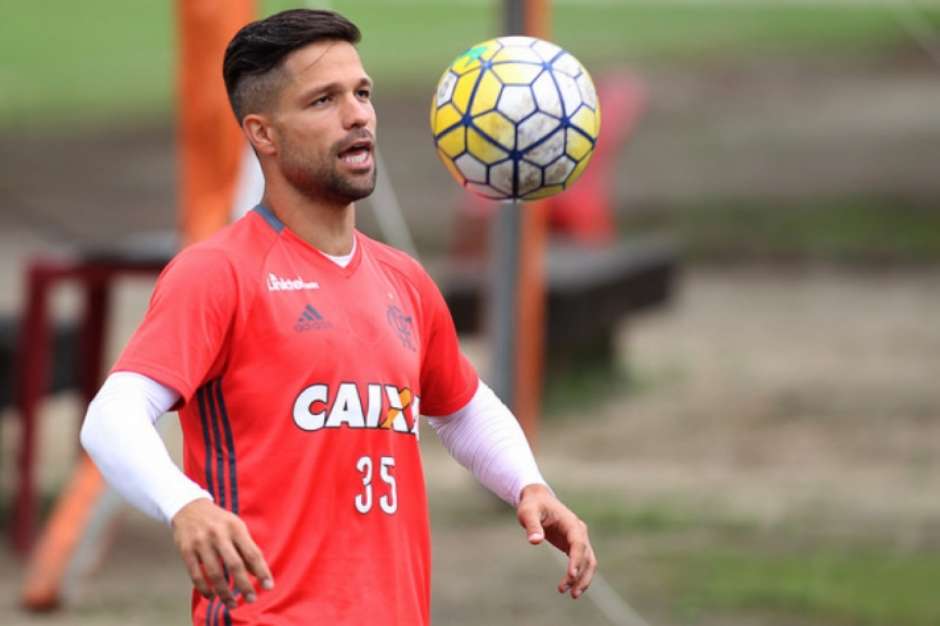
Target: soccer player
[[299, 354]]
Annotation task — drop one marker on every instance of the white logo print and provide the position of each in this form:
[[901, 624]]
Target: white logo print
[[277, 283]]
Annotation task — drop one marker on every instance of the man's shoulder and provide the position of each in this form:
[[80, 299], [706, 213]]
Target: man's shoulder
[[239, 246], [396, 259]]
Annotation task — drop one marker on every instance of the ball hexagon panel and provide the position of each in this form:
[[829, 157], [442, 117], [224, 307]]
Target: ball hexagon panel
[[517, 54], [529, 176], [486, 191], [483, 149], [585, 119], [516, 73], [444, 118], [557, 173], [570, 95], [578, 146], [535, 128], [578, 170], [445, 89], [586, 87], [464, 90], [498, 128], [471, 168], [548, 150], [501, 176], [546, 95], [516, 102], [546, 51], [453, 142], [486, 95], [567, 65]]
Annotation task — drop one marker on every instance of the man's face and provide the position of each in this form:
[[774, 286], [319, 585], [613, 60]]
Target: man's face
[[324, 123]]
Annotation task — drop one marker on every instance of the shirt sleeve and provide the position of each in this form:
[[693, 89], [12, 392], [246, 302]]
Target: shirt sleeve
[[119, 434], [182, 341], [486, 438], [448, 379]]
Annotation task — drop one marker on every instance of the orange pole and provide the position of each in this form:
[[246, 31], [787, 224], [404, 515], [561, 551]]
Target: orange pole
[[210, 141], [530, 352], [50, 559]]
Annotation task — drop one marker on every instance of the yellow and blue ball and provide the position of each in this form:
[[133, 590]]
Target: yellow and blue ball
[[515, 118]]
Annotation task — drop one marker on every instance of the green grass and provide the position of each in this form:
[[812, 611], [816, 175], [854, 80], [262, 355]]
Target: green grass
[[612, 515], [833, 585], [95, 61], [84, 61], [708, 565]]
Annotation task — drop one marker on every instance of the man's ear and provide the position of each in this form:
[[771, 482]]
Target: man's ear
[[260, 133]]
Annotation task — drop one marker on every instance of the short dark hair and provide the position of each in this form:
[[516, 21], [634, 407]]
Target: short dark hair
[[254, 55]]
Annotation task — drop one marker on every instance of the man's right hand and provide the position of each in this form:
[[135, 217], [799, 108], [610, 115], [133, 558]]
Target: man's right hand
[[212, 540]]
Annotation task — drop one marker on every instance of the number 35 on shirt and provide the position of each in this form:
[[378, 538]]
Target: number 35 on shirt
[[387, 494]]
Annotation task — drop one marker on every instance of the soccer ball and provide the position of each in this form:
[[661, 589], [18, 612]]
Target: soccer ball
[[515, 118]]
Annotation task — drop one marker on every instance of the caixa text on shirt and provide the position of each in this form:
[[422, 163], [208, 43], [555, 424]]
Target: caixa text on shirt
[[386, 407]]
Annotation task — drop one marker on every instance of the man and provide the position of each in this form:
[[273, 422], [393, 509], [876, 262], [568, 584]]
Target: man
[[299, 353]]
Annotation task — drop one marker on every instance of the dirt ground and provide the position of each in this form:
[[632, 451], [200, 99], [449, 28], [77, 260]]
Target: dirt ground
[[805, 398]]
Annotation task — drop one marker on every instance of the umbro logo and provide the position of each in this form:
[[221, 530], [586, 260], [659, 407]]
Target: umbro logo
[[277, 283], [311, 319]]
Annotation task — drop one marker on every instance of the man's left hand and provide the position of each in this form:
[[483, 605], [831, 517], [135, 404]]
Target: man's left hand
[[543, 516]]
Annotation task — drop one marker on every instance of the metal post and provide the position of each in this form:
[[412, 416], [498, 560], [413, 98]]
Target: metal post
[[505, 236], [504, 287]]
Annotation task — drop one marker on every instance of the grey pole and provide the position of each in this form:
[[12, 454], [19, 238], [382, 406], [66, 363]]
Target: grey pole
[[505, 238], [503, 289]]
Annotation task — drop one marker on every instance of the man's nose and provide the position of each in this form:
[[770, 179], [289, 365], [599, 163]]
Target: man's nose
[[357, 112]]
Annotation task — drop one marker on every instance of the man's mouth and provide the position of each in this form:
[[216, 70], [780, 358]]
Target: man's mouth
[[358, 153]]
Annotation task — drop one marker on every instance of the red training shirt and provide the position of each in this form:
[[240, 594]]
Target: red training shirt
[[300, 385]]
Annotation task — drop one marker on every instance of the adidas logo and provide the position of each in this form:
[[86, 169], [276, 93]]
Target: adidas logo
[[310, 319], [277, 283]]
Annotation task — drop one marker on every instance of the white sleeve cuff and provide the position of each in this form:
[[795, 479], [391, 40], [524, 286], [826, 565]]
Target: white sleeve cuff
[[486, 438], [119, 434]]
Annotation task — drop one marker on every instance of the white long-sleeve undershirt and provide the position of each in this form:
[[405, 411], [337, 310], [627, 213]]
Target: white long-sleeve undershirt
[[486, 438], [119, 434]]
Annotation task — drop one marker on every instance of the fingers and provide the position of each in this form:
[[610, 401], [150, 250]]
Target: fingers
[[219, 553], [581, 563], [544, 516], [530, 519], [215, 574], [238, 572], [253, 558], [195, 573], [576, 562], [587, 575]]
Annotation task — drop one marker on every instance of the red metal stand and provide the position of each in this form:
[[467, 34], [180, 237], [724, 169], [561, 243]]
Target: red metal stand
[[96, 277]]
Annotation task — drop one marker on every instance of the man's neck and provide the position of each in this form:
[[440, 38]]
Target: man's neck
[[327, 227]]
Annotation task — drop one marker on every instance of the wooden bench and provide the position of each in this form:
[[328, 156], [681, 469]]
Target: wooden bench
[[590, 291]]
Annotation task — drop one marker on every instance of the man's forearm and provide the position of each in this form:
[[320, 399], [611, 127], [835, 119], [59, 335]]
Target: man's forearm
[[486, 438], [120, 436]]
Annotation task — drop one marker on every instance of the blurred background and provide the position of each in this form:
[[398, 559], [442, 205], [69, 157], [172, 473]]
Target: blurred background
[[764, 447]]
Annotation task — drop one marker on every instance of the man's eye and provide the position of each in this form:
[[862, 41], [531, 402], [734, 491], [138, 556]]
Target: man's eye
[[320, 101], [365, 94]]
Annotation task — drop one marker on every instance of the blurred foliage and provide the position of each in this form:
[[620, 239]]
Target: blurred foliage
[[93, 61]]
